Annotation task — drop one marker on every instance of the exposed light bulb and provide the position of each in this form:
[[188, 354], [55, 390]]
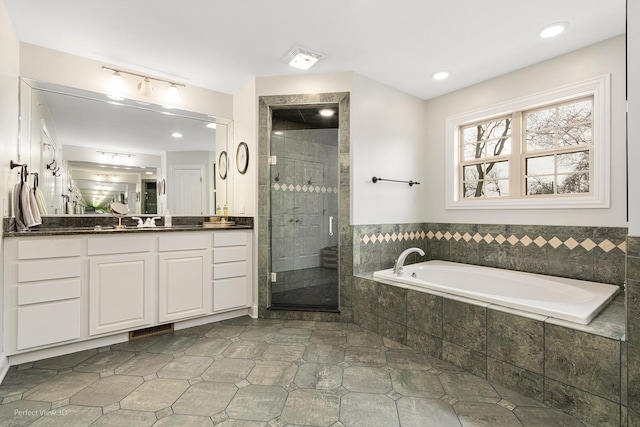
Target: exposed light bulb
[[116, 86], [173, 96], [327, 112]]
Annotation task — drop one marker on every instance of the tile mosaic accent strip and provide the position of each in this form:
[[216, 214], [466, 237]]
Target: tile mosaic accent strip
[[304, 188], [588, 244]]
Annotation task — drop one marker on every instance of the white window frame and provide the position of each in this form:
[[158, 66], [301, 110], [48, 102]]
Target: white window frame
[[598, 87]]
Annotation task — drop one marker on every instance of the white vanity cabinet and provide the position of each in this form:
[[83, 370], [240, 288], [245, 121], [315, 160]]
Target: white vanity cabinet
[[232, 278], [184, 279], [43, 291], [121, 282], [65, 291]]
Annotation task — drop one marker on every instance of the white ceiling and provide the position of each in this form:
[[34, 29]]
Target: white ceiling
[[221, 45]]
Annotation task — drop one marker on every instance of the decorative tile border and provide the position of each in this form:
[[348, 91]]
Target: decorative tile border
[[588, 244], [304, 188]]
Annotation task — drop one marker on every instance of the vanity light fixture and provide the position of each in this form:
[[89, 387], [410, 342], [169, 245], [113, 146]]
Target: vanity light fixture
[[327, 112], [145, 88], [104, 155], [440, 75], [302, 59], [552, 30]]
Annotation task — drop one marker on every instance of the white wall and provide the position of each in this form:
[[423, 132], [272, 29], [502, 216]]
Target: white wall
[[607, 57], [633, 64], [243, 189], [9, 71], [388, 141]]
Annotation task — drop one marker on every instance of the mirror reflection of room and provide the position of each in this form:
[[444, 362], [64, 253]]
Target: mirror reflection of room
[[91, 151]]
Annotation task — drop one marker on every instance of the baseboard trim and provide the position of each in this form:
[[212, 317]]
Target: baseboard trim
[[4, 366]]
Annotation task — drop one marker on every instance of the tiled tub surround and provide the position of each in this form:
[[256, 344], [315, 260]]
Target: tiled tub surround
[[568, 366], [595, 254], [632, 355]]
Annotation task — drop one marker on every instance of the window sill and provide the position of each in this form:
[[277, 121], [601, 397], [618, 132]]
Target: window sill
[[536, 203]]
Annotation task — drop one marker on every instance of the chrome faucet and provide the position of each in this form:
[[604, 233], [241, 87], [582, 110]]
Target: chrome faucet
[[397, 268]]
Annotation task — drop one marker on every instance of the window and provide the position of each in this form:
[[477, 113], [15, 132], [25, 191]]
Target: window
[[543, 151]]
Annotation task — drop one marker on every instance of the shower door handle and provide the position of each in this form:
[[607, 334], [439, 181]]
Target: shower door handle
[[330, 226]]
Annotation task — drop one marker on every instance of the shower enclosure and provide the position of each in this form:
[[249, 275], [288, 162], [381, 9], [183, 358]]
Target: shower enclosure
[[304, 182]]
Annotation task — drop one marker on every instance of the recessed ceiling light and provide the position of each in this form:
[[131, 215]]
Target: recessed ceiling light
[[302, 59], [552, 30], [440, 75], [176, 135], [327, 112], [211, 125]]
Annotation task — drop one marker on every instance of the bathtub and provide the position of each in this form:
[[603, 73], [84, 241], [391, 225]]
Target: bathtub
[[568, 299]]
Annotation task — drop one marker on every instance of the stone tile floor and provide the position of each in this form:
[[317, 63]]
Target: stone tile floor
[[246, 372]]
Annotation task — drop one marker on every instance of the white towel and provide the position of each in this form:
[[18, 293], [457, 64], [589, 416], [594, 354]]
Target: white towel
[[42, 204], [29, 206]]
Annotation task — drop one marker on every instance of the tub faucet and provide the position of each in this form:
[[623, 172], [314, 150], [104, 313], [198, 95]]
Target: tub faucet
[[397, 268]]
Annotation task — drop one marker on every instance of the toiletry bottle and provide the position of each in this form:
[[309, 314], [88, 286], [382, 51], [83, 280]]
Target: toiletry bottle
[[218, 210], [167, 219], [225, 212]]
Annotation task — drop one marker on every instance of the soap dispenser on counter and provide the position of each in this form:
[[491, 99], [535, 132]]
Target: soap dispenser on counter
[[167, 219], [225, 212]]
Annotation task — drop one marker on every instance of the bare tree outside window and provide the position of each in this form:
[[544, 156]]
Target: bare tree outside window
[[557, 141], [485, 172], [555, 147]]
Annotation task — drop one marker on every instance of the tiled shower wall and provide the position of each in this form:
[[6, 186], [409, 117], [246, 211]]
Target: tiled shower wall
[[304, 194], [586, 253]]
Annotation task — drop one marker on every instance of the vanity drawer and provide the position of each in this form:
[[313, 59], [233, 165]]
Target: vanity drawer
[[49, 270], [38, 249], [230, 293], [119, 245], [229, 238], [230, 254], [33, 293], [230, 269], [49, 323], [184, 242]]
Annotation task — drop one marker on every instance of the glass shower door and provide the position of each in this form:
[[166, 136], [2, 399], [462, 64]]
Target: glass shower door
[[304, 219]]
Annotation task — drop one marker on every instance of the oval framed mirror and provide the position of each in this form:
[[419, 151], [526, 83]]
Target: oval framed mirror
[[242, 157], [222, 165]]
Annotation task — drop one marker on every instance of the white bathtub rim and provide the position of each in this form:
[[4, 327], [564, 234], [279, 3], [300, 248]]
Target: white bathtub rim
[[550, 309]]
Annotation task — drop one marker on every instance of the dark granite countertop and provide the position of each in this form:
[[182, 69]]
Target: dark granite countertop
[[111, 230], [80, 225]]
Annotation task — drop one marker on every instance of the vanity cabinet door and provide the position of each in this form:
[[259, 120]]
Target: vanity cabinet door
[[232, 255], [120, 292], [183, 285]]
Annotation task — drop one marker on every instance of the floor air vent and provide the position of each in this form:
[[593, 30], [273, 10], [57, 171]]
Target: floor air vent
[[154, 330]]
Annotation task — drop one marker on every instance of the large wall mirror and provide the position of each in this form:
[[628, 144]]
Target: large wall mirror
[[88, 151]]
